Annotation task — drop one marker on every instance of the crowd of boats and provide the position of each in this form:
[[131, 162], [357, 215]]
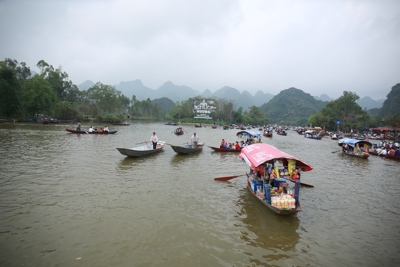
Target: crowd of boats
[[274, 177]]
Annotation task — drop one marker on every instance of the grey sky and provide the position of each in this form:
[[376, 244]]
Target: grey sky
[[320, 47]]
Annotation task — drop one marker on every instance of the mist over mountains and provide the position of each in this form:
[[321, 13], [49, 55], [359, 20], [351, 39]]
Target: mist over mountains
[[180, 93]]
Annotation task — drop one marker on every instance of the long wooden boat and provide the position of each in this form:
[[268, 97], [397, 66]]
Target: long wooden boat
[[282, 133], [392, 157], [280, 197], [122, 124], [384, 156], [142, 150], [355, 148], [86, 132], [188, 149], [223, 149]]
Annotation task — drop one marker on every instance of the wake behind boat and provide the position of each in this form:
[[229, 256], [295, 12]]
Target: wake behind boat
[[142, 150], [188, 149]]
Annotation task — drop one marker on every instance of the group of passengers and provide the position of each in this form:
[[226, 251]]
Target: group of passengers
[[102, 130], [386, 148], [233, 145]]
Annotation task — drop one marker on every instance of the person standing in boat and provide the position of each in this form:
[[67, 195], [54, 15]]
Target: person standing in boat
[[154, 139], [78, 128], [195, 139]]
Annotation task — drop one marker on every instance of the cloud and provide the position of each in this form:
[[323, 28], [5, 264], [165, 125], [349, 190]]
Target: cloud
[[320, 47]]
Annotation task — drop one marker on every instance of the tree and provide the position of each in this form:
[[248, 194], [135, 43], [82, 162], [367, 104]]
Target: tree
[[12, 77], [344, 109], [59, 81], [38, 96]]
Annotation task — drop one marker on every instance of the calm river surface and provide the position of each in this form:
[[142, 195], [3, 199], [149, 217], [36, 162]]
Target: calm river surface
[[74, 200]]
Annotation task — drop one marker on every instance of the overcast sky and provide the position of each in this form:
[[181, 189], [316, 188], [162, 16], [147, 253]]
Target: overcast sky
[[318, 46]]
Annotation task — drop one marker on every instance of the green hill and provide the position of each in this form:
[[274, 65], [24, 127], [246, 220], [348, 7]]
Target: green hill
[[291, 107]]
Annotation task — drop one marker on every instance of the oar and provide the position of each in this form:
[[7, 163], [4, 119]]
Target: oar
[[336, 151], [302, 184], [227, 178]]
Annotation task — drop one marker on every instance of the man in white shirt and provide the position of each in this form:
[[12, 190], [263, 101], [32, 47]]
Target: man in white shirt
[[154, 139], [195, 139]]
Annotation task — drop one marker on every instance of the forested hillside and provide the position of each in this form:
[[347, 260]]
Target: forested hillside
[[391, 106], [291, 107]]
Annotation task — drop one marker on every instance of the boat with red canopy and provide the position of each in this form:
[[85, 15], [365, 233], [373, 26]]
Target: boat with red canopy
[[272, 169]]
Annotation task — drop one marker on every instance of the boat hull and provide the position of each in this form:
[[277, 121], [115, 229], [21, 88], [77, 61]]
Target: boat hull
[[276, 210], [85, 132], [223, 149], [187, 149], [141, 151]]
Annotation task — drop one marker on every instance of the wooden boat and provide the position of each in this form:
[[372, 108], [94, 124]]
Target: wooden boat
[[281, 197], [188, 149], [249, 133], [217, 149], [198, 126], [86, 132], [392, 157], [214, 126], [268, 134], [355, 148], [384, 156], [171, 123], [282, 133], [178, 131], [142, 150], [122, 124]]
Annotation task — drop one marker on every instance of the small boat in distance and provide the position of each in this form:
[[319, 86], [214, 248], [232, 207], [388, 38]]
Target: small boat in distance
[[171, 123], [188, 149], [178, 131], [142, 150], [122, 124], [87, 132]]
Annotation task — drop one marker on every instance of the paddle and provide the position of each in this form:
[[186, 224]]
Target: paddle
[[336, 151], [302, 184], [227, 178]]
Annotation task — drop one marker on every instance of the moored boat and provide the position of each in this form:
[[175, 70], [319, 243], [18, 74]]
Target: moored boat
[[142, 150], [188, 149], [217, 149], [276, 168], [87, 132]]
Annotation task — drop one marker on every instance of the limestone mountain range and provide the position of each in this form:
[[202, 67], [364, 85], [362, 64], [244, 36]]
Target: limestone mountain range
[[181, 92]]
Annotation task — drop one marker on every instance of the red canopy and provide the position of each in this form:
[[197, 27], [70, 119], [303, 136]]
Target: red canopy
[[259, 153]]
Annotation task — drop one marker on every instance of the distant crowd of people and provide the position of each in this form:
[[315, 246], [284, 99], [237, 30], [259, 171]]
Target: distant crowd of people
[[386, 148]]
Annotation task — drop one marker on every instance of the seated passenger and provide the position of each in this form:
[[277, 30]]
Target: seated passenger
[[223, 144], [237, 146], [106, 129]]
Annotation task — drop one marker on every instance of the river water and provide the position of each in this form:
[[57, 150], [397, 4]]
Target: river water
[[74, 200]]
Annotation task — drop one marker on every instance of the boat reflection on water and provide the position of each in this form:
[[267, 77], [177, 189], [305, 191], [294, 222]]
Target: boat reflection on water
[[273, 236]]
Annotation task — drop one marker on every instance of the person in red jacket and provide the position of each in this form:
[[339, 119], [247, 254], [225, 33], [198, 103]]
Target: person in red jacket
[[237, 146]]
